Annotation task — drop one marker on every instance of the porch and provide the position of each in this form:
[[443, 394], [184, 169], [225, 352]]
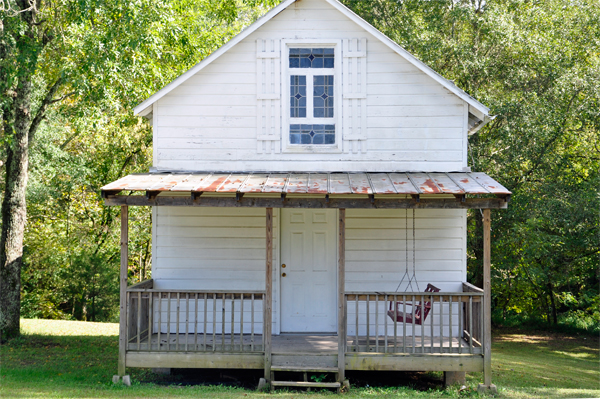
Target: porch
[[225, 329], [233, 328]]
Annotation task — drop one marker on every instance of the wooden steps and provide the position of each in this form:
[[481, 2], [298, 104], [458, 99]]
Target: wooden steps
[[305, 384], [303, 371]]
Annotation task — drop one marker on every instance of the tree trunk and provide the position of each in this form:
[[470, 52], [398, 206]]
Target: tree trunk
[[14, 214]]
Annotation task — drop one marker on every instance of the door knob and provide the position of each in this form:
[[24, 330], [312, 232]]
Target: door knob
[[283, 274]]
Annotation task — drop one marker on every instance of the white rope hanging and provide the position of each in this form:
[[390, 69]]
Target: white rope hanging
[[413, 278]]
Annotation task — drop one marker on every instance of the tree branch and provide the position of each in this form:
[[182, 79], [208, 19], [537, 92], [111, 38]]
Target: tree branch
[[41, 113]]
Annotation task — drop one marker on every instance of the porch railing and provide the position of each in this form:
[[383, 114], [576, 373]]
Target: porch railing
[[193, 321], [454, 323]]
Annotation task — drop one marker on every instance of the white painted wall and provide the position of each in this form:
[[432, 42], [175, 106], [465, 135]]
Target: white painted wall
[[224, 249], [209, 122]]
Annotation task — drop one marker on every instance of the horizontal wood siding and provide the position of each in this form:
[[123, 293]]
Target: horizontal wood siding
[[209, 122], [376, 261], [211, 249], [223, 249]]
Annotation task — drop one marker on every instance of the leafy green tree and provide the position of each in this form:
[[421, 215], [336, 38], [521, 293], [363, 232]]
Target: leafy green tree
[[537, 66], [88, 63]]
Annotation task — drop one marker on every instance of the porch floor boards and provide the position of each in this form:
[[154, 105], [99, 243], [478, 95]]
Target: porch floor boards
[[297, 343]]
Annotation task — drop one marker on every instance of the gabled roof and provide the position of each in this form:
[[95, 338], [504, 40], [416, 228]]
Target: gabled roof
[[475, 107]]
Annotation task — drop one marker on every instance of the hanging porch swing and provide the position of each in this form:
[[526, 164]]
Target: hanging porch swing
[[422, 308]]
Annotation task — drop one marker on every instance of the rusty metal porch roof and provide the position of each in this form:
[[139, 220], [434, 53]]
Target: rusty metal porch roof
[[454, 183]]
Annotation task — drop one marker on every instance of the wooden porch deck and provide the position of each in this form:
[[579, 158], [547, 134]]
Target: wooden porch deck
[[298, 343]]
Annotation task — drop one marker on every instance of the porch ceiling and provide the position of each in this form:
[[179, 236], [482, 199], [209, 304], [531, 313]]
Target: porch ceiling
[[358, 190]]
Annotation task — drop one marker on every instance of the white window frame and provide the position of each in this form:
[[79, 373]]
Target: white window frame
[[286, 72]]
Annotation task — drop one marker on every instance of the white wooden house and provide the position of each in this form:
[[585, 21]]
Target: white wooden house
[[300, 173]]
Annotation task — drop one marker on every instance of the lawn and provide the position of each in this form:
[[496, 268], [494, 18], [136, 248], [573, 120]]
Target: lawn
[[66, 359]]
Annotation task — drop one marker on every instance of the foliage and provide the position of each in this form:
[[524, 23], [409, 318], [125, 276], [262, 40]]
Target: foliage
[[107, 56], [537, 66]]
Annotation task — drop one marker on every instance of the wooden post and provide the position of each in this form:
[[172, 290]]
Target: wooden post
[[487, 305], [342, 316], [268, 299], [123, 289]]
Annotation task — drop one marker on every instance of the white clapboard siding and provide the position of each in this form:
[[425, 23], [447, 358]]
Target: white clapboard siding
[[376, 252], [223, 249], [229, 116], [211, 249]]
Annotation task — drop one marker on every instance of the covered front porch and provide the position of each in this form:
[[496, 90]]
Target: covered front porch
[[233, 328]]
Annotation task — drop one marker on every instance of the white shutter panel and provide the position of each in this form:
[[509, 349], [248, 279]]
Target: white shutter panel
[[354, 78], [268, 96]]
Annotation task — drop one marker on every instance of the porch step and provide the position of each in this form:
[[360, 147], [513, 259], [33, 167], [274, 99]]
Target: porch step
[[305, 384], [305, 369]]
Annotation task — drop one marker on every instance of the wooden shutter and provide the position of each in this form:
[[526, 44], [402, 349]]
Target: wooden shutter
[[268, 95], [354, 78]]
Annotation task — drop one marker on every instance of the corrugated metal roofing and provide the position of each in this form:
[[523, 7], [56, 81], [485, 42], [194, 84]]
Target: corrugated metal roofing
[[313, 183]]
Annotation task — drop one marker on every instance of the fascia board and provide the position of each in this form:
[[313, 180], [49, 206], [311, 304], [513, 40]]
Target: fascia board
[[409, 57], [213, 56]]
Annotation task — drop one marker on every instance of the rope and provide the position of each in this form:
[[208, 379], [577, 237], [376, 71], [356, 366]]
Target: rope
[[414, 260]]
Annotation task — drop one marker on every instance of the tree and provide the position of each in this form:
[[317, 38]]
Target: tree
[[537, 66], [90, 62]]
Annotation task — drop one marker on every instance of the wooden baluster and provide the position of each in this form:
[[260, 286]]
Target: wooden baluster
[[242, 322], [159, 321], [368, 322], [423, 324], [214, 320], [441, 322], [139, 319], [252, 324], [460, 324], [150, 321], [414, 310], [177, 325], [471, 324], [187, 319], [223, 322], [431, 323], [396, 323], [404, 324], [377, 323], [168, 321], [385, 325], [357, 316], [232, 321], [196, 322], [205, 325], [450, 345]]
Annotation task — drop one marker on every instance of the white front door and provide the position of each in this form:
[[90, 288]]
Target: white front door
[[309, 278]]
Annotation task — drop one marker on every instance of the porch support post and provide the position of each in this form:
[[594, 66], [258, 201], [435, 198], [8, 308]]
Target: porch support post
[[342, 316], [487, 305], [268, 299], [123, 289]]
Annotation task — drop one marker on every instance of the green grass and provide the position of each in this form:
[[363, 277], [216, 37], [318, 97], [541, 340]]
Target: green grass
[[66, 359]]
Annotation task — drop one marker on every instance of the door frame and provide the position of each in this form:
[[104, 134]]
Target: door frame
[[277, 269]]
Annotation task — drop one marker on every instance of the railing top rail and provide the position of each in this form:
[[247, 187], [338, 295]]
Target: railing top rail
[[416, 293], [219, 292], [146, 284], [468, 287]]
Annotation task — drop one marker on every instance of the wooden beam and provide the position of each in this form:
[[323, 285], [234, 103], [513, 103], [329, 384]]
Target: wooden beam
[[313, 203], [123, 289], [407, 362], [487, 299], [268, 300], [196, 360], [342, 315]]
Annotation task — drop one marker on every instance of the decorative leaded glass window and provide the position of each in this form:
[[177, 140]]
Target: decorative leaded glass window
[[312, 117]]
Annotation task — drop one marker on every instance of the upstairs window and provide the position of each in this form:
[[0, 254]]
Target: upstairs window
[[314, 98]]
